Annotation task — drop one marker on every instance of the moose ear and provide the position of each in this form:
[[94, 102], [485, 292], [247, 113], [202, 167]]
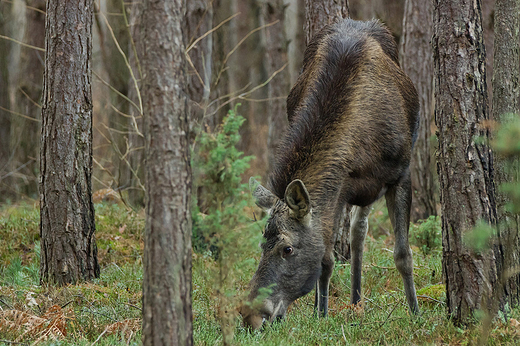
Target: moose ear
[[297, 198], [264, 198]]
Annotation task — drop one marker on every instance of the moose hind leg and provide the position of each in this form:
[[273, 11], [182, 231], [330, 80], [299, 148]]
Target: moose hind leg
[[358, 231], [398, 202]]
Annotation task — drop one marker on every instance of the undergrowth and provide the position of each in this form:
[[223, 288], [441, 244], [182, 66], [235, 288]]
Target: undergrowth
[[107, 311]]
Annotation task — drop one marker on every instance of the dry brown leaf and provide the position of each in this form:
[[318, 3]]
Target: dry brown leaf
[[128, 327]]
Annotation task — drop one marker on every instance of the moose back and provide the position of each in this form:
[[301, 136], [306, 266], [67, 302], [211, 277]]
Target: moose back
[[353, 117]]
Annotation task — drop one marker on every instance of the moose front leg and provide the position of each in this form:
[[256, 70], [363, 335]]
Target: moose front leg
[[321, 299], [358, 231], [398, 202]]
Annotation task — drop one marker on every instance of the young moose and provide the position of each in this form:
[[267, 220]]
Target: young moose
[[353, 118]]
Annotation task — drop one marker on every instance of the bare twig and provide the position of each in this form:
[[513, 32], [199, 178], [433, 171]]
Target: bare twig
[[20, 114], [238, 45], [127, 65], [22, 44], [210, 31], [100, 336], [26, 6], [29, 98], [430, 298]]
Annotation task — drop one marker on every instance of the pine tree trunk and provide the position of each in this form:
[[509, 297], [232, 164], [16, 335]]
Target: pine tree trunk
[[167, 316], [506, 101], [135, 124], [319, 13], [26, 92], [5, 116], [68, 247], [118, 77], [417, 63], [279, 86], [465, 167], [199, 21]]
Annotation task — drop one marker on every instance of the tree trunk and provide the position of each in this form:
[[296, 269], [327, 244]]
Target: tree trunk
[[322, 12], [68, 247], [293, 23], [167, 316], [26, 91], [118, 107], [199, 21], [279, 86], [417, 63], [317, 15], [506, 101], [135, 124], [465, 167], [5, 116]]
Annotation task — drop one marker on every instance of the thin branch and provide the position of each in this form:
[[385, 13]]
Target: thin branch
[[22, 44], [210, 31], [127, 64], [136, 127], [26, 6], [20, 114], [238, 45], [29, 98]]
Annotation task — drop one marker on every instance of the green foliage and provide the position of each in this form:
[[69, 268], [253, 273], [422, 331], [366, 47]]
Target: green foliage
[[426, 235], [221, 196], [223, 225]]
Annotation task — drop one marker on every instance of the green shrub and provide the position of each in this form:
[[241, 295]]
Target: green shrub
[[426, 235], [223, 225]]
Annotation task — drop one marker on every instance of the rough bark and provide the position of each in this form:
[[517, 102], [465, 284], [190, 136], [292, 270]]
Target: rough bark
[[506, 100], [417, 63], [465, 167], [279, 86], [68, 247], [167, 316], [317, 15], [320, 13]]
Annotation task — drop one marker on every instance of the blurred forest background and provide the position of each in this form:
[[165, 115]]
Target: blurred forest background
[[241, 51]]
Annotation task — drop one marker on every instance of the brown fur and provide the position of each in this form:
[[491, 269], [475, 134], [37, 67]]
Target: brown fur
[[352, 122]]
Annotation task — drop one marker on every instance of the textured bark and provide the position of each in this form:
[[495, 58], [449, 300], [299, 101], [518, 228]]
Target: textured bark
[[322, 12], [26, 91], [279, 86], [167, 316], [68, 247], [417, 63], [317, 15], [506, 100], [465, 167]]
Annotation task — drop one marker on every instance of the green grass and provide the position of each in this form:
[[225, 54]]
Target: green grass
[[107, 311]]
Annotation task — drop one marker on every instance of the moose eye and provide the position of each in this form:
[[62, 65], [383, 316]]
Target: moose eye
[[287, 251]]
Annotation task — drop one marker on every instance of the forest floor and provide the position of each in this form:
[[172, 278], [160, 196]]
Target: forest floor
[[108, 310]]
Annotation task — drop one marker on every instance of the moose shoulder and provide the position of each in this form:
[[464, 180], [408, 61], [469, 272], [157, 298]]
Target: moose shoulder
[[353, 118]]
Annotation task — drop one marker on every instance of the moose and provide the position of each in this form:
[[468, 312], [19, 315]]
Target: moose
[[353, 118]]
